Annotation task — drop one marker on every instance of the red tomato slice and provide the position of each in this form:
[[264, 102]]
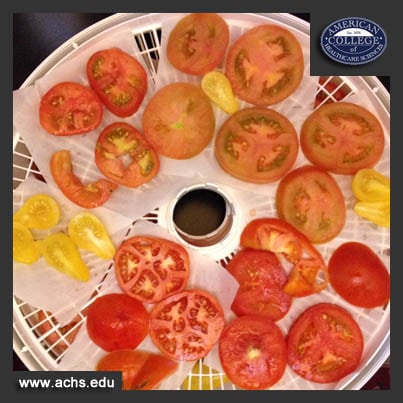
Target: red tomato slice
[[265, 65], [150, 269], [88, 196], [332, 92], [186, 325], [309, 273], [116, 321], [119, 80], [179, 121], [70, 108], [140, 370], [197, 43], [261, 279], [256, 145], [359, 275], [342, 138], [310, 199], [324, 344], [120, 140], [253, 352]]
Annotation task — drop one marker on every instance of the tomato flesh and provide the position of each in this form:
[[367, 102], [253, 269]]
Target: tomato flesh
[[370, 185], [253, 352], [117, 141], [88, 196], [332, 92], [186, 325], [324, 344], [70, 108], [25, 248], [359, 276]]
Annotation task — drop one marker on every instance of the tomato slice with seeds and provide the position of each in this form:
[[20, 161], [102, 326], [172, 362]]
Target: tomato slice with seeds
[[256, 145], [308, 273], [186, 325], [265, 65], [120, 140], [253, 352], [197, 43], [342, 138], [88, 196], [261, 279], [70, 108], [324, 343], [119, 80], [150, 269], [311, 200]]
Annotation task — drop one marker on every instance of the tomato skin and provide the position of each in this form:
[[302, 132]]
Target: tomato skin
[[311, 200], [150, 268], [309, 272], [324, 343], [120, 139], [342, 138], [179, 121], [116, 321], [359, 276], [197, 43], [119, 80], [70, 108], [256, 145], [141, 370], [88, 196], [186, 325], [253, 352], [261, 278], [265, 65]]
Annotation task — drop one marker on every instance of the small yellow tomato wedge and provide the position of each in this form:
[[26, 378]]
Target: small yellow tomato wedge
[[88, 232], [370, 185], [376, 212], [25, 248], [61, 253], [203, 377], [39, 212], [218, 88]]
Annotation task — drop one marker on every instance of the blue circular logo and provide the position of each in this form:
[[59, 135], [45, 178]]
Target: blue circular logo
[[353, 40]]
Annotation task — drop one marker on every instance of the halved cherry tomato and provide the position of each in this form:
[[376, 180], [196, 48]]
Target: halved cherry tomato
[[87, 196], [309, 272], [197, 43], [39, 212], [332, 92], [87, 232], [116, 321], [186, 325], [150, 269], [265, 65], [25, 248], [370, 185], [311, 200], [141, 370], [204, 377], [359, 276], [342, 138], [179, 120], [324, 343], [253, 352], [256, 145], [61, 253], [376, 212], [119, 80], [70, 108], [261, 279], [120, 140]]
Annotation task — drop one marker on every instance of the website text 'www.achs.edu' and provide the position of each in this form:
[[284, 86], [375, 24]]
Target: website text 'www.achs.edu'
[[66, 383]]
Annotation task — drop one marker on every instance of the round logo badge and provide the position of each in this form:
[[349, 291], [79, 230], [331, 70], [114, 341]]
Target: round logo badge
[[353, 40]]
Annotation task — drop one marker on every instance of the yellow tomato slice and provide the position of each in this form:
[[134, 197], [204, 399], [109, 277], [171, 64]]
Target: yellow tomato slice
[[370, 185], [218, 88], [203, 377], [88, 232], [25, 248], [39, 212], [376, 212], [61, 253]]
